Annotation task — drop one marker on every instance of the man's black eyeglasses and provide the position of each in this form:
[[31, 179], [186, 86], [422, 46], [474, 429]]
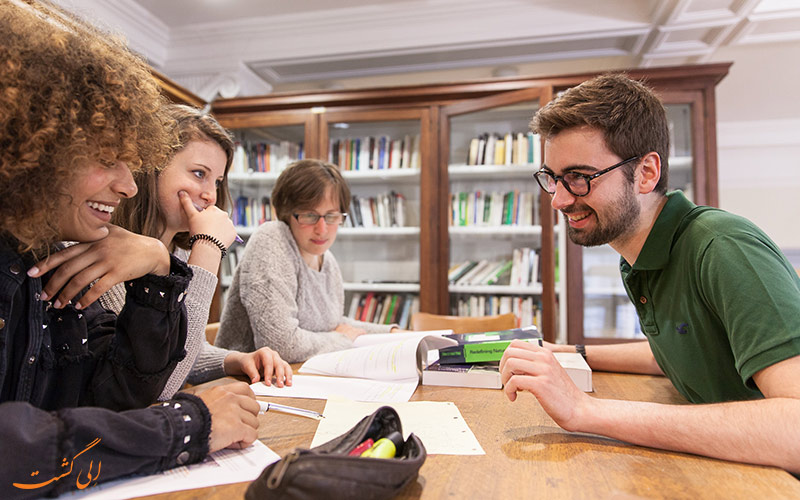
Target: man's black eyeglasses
[[576, 183]]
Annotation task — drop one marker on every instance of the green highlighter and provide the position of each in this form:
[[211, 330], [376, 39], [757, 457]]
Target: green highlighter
[[387, 447]]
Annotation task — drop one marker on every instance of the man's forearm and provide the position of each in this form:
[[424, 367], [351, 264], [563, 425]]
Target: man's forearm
[[627, 357], [760, 432]]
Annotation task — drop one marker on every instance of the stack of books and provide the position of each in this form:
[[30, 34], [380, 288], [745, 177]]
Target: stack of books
[[474, 361]]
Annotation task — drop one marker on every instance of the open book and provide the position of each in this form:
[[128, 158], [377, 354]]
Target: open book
[[381, 356]]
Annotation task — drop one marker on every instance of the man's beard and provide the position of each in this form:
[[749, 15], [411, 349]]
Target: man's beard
[[621, 218]]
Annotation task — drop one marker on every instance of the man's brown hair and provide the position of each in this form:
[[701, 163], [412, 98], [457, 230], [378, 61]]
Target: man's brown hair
[[628, 113]]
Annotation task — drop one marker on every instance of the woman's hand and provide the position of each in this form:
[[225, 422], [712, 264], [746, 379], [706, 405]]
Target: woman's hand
[[234, 416], [120, 256], [349, 331], [264, 363], [212, 221]]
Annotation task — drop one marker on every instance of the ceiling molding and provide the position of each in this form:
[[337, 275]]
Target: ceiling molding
[[146, 33], [361, 38]]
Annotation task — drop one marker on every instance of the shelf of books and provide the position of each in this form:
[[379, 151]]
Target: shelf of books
[[378, 247], [260, 155], [493, 217]]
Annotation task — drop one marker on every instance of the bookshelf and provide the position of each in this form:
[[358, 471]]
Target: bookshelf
[[495, 225], [415, 258], [380, 157]]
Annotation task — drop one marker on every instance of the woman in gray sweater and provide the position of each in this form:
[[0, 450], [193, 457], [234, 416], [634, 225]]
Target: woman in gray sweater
[[287, 291]]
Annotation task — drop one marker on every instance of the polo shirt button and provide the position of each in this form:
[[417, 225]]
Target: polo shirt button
[[32, 360], [643, 299], [183, 457], [15, 269], [2, 323]]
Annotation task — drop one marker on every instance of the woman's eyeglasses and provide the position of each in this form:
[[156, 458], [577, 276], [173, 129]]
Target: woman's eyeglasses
[[310, 218]]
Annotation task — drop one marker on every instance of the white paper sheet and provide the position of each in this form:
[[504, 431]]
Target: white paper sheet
[[356, 389], [439, 425], [223, 467]]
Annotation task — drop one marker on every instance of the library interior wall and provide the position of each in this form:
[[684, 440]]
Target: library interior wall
[[758, 120], [758, 127]]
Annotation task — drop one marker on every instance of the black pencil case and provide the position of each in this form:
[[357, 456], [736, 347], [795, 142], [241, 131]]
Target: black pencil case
[[327, 471]]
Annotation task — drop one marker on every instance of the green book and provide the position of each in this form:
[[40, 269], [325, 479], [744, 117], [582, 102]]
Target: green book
[[486, 346], [390, 313], [487, 207], [496, 275], [462, 209]]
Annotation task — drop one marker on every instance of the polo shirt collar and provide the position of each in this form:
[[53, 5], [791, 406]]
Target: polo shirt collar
[[656, 249]]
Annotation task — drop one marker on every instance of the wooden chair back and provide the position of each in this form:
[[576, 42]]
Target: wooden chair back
[[211, 332], [463, 324]]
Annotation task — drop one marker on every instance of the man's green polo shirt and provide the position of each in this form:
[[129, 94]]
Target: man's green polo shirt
[[716, 298]]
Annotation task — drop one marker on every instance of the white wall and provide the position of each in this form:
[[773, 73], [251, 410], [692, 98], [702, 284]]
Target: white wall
[[758, 114]]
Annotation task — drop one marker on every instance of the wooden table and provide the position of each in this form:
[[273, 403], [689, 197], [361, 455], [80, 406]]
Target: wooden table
[[529, 456]]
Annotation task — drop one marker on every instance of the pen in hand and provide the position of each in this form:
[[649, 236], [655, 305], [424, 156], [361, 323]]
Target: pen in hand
[[301, 412]]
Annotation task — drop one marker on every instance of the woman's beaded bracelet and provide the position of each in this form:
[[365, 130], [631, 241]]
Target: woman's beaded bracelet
[[208, 237]]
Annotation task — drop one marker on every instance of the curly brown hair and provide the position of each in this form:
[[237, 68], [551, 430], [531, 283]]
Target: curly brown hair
[[69, 94], [142, 214], [303, 185], [628, 113]]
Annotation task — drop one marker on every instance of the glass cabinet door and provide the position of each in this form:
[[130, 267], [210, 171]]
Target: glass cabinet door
[[494, 212], [261, 154], [381, 155], [607, 312]]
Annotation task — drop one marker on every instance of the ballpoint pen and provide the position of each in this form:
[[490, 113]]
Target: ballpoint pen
[[302, 412]]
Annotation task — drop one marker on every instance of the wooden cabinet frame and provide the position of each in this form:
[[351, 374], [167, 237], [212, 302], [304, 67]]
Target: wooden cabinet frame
[[433, 105]]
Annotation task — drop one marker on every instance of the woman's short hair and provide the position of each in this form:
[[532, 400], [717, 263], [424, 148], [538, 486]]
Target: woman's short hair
[[142, 213], [304, 184], [69, 94]]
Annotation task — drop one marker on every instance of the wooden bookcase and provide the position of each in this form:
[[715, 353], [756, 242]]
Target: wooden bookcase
[[443, 115]]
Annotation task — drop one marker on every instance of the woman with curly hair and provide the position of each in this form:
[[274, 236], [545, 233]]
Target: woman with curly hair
[[78, 114]]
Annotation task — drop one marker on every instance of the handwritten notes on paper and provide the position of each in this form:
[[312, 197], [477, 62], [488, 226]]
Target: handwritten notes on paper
[[356, 389], [439, 425]]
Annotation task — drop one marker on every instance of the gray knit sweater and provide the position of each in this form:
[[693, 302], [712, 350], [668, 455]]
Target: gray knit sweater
[[203, 361], [277, 300]]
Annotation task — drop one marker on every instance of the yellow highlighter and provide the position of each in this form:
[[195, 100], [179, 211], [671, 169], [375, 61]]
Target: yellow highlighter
[[386, 447]]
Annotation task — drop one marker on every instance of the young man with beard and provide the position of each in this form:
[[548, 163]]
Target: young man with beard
[[716, 299]]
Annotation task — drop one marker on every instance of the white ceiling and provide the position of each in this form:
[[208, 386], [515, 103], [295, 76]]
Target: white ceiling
[[248, 47]]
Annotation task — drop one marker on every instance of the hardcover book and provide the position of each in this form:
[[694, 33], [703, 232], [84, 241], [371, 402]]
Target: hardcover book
[[478, 375], [487, 375], [486, 346]]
